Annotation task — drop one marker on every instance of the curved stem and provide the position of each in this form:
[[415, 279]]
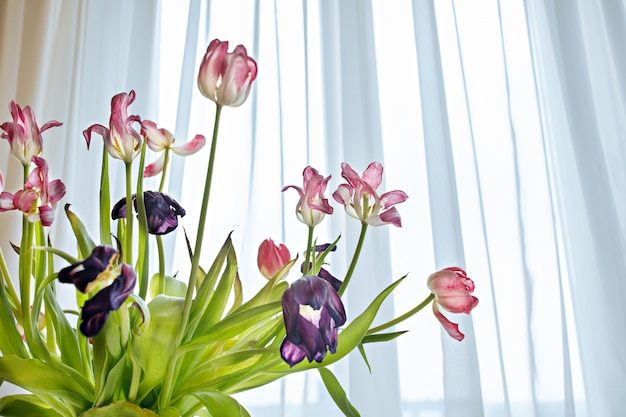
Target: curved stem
[[166, 392], [13, 297], [355, 259], [159, 241], [105, 200], [142, 244], [403, 317]]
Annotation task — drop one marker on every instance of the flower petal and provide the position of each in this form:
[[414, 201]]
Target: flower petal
[[190, 147], [156, 167], [373, 174], [451, 328]]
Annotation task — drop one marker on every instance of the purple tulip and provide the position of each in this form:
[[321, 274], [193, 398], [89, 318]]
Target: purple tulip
[[312, 311], [161, 209]]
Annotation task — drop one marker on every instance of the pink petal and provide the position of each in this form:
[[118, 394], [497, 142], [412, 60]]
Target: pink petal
[[391, 198], [391, 216], [190, 147], [157, 139], [6, 201], [155, 167], [24, 199], [298, 189], [350, 175], [98, 129], [1, 182], [46, 215], [451, 328], [56, 191], [48, 125], [343, 194], [373, 174]]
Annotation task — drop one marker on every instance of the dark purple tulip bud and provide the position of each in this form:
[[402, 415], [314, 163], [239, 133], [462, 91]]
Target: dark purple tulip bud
[[162, 211], [312, 311]]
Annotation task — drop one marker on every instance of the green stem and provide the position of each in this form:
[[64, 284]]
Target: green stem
[[195, 265], [25, 265], [142, 257], [164, 172], [403, 317], [128, 233], [159, 241], [355, 259], [308, 265]]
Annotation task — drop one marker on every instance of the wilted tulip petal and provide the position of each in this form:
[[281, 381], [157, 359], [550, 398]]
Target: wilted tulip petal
[[226, 78], [23, 134], [159, 140], [452, 289], [312, 205], [96, 310], [36, 187], [161, 209], [323, 273], [312, 311], [361, 201], [272, 258], [96, 268]]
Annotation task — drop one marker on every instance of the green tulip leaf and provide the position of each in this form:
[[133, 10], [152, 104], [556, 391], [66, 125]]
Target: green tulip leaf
[[85, 243], [25, 405], [37, 377], [172, 287], [220, 405], [382, 337], [337, 393], [119, 409]]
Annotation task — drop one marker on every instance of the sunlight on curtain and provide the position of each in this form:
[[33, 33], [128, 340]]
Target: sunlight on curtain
[[510, 241]]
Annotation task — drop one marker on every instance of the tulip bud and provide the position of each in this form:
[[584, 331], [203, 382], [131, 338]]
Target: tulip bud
[[272, 258]]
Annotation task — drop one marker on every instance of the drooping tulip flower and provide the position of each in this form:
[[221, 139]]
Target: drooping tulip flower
[[452, 289], [226, 78], [312, 206], [120, 138], [161, 210], [313, 312], [272, 258], [38, 189], [361, 201], [160, 140], [23, 134], [100, 270]]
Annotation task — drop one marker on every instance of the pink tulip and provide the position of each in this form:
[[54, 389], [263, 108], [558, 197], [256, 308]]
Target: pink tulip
[[361, 201], [452, 289], [121, 139], [23, 134], [312, 206], [272, 258], [36, 187], [160, 140], [226, 78]]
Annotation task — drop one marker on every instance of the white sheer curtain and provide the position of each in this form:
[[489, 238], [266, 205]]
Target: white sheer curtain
[[504, 121]]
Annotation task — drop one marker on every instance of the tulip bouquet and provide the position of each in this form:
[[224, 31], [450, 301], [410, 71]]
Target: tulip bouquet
[[144, 343]]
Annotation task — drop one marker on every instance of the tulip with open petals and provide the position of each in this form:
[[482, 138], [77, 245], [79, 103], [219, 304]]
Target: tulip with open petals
[[23, 134], [312, 206], [36, 187], [361, 201], [226, 78], [159, 140], [161, 209], [100, 271], [121, 139], [452, 289]]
